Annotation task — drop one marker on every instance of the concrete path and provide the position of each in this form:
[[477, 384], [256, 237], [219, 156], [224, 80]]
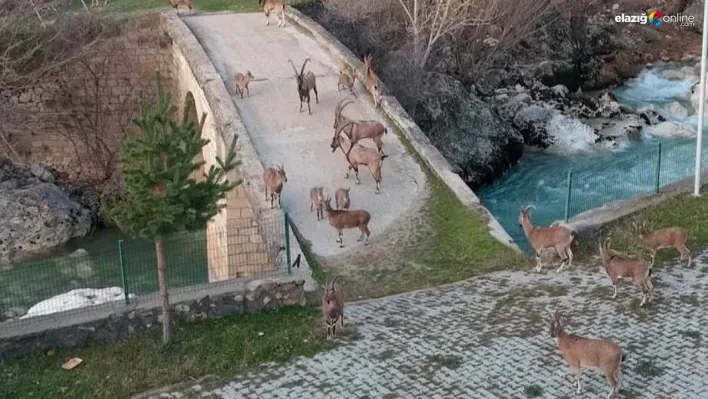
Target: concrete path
[[485, 338], [281, 134]]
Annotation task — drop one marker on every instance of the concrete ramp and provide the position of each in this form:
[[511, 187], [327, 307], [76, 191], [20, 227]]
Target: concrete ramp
[[282, 134]]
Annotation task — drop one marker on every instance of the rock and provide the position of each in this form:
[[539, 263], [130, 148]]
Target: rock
[[651, 35], [491, 41], [674, 74], [629, 126], [695, 8], [670, 129], [524, 98], [677, 110], [41, 173], [649, 115], [560, 90], [531, 122], [79, 253], [79, 265], [471, 135], [37, 217], [615, 7]]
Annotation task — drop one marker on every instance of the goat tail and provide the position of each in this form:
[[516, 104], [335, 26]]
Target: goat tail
[[385, 131], [623, 358], [384, 157]]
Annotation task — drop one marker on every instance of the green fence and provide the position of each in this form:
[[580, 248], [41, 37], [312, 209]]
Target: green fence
[[128, 269], [646, 172]]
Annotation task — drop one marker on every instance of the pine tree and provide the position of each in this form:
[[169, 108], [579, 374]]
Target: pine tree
[[161, 197]]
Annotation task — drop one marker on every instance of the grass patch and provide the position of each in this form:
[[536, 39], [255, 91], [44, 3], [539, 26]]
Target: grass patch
[[648, 369], [691, 334], [448, 361], [453, 244], [221, 348], [684, 210], [533, 391]]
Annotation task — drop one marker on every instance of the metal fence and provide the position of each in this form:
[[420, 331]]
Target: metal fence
[[123, 270], [644, 173]]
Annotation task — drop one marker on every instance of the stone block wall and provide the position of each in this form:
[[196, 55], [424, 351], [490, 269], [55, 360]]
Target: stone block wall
[[209, 302], [240, 242], [74, 117]]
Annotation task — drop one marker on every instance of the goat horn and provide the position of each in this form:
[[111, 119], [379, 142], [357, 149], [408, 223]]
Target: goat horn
[[345, 105], [302, 70], [341, 128], [294, 69], [335, 279], [339, 106]]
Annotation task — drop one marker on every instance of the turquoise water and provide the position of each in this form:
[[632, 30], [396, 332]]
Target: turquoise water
[[599, 174]]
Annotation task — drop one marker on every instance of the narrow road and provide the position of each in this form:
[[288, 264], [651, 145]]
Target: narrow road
[[485, 338], [282, 134]]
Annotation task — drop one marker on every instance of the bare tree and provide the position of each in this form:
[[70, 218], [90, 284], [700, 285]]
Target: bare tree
[[479, 47], [431, 20], [90, 118]]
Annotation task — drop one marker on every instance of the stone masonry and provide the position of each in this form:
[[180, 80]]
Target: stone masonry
[[207, 303], [58, 111], [485, 338], [240, 243]]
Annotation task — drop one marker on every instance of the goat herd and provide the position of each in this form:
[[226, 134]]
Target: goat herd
[[583, 352], [347, 134], [577, 351]]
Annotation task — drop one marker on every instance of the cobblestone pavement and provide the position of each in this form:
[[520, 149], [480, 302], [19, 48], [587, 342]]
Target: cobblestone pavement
[[485, 338]]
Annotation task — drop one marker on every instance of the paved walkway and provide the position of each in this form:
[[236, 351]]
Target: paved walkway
[[485, 339], [281, 134]]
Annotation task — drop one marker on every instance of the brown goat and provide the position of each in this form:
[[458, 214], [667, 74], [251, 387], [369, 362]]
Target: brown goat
[[670, 237], [242, 82], [620, 267], [317, 201], [176, 3], [371, 82], [341, 198], [274, 6], [580, 352], [333, 306], [305, 84], [346, 80], [540, 238], [374, 130], [358, 155], [274, 179], [341, 219]]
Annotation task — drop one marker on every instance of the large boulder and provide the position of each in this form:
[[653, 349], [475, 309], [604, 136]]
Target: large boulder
[[467, 131], [695, 8], [36, 215]]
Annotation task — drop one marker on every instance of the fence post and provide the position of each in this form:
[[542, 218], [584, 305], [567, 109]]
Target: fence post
[[287, 242], [567, 198], [658, 169], [123, 271]]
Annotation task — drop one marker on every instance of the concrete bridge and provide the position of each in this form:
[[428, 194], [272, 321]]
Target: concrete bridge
[[207, 51]]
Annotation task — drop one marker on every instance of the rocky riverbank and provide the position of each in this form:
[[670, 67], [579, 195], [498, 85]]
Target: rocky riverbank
[[559, 79], [37, 213]]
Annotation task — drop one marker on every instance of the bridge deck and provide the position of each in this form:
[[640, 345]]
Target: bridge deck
[[281, 134]]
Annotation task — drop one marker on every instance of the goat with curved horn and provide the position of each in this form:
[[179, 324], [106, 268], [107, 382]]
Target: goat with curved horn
[[358, 155], [305, 84], [365, 129]]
